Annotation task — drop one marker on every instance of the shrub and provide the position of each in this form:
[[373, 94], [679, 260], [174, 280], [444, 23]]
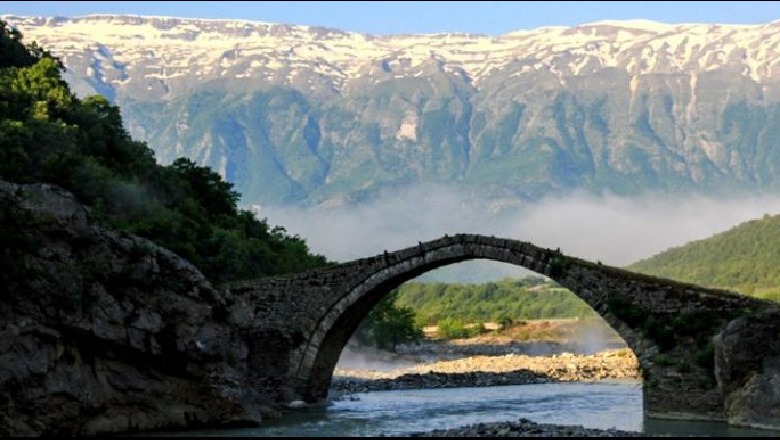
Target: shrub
[[452, 329]]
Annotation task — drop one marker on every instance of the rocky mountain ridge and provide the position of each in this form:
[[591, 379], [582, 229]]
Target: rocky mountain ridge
[[122, 49], [311, 115]]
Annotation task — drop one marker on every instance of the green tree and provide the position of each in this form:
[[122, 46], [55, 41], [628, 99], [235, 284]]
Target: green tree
[[13, 53], [48, 134], [388, 325], [451, 328], [505, 321]]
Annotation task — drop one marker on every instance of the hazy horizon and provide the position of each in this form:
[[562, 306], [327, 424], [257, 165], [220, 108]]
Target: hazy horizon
[[615, 230]]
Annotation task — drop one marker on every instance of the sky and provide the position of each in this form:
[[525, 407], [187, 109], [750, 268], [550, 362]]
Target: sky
[[392, 17]]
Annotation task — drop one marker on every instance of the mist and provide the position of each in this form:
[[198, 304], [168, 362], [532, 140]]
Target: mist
[[611, 229]]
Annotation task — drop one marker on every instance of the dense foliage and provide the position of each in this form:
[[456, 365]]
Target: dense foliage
[[47, 134], [388, 325], [746, 258], [502, 301]]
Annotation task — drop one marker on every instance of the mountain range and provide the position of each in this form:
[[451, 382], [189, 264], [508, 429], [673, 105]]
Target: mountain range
[[316, 116]]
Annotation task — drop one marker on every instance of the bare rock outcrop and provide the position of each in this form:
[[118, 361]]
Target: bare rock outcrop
[[103, 332], [747, 368]]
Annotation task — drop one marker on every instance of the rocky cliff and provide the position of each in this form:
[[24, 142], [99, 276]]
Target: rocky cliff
[[302, 114], [105, 332], [747, 367]]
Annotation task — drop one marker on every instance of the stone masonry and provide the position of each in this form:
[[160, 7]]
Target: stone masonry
[[302, 322]]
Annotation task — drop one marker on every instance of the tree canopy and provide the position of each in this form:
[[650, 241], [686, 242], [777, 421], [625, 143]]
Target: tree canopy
[[501, 301], [47, 134], [388, 325]]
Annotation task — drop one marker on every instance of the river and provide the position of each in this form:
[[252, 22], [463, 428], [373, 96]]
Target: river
[[603, 404]]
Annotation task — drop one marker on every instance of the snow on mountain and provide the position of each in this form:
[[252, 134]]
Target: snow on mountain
[[115, 50]]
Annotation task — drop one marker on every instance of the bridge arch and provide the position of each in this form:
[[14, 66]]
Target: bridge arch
[[323, 349], [302, 322]]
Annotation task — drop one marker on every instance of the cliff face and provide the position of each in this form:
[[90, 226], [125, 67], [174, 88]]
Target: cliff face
[[747, 367], [104, 332]]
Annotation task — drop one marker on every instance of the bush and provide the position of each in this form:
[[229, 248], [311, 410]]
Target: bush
[[388, 325], [705, 357], [624, 310], [449, 328]]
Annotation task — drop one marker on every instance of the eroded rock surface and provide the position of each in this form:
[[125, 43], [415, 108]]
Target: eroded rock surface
[[105, 332], [747, 367]]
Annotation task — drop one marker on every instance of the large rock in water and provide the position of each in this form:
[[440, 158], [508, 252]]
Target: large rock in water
[[105, 332], [747, 367]]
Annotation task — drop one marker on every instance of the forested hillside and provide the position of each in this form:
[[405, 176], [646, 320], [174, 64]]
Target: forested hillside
[[515, 299], [49, 135], [746, 258]]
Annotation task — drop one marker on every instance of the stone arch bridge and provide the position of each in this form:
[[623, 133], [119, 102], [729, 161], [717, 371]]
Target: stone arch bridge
[[302, 321]]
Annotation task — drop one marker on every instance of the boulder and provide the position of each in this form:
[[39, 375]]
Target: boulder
[[747, 369]]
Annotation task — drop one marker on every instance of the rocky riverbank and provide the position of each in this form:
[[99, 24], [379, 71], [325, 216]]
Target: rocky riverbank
[[480, 371], [473, 371], [526, 428]]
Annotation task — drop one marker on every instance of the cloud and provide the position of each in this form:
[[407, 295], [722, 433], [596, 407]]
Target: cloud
[[614, 230]]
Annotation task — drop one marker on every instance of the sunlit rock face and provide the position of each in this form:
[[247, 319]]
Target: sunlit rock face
[[310, 115]]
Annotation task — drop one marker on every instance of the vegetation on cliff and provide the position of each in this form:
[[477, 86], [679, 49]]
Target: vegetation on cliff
[[49, 135], [744, 258]]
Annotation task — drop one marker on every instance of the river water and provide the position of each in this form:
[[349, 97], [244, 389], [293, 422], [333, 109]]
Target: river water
[[604, 404]]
